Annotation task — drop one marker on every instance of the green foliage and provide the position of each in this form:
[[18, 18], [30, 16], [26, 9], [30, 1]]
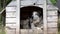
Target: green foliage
[[0, 18], [2, 28], [53, 2], [58, 24], [4, 3], [59, 32], [8, 1]]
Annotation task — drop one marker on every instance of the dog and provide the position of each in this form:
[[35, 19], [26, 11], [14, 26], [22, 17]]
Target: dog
[[35, 20]]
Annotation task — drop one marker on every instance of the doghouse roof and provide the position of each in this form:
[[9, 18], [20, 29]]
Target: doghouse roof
[[25, 3], [30, 3], [51, 7]]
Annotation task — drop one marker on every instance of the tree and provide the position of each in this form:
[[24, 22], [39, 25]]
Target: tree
[[53, 2]]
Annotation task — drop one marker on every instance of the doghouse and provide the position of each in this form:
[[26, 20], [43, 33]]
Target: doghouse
[[19, 19]]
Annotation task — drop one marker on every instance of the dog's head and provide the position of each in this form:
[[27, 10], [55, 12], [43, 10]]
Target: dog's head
[[35, 15]]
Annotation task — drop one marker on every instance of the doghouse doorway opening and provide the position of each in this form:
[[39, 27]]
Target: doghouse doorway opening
[[26, 16]]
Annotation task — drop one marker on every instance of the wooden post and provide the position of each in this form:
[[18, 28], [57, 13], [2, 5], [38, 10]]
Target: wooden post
[[45, 17], [18, 17]]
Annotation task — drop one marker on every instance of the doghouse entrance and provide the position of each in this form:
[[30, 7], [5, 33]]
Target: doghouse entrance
[[31, 17]]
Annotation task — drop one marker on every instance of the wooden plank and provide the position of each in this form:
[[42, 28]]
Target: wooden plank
[[30, 31], [51, 8], [52, 24], [52, 21], [9, 20], [13, 14], [39, 5], [11, 31], [52, 30], [27, 3], [51, 33], [10, 9], [24, 31], [45, 17], [11, 25], [52, 12], [53, 18], [18, 17], [2, 11], [39, 1]]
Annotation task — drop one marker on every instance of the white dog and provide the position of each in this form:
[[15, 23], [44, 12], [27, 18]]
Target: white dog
[[36, 20]]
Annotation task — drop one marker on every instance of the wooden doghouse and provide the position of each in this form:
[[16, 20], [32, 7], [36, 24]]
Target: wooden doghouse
[[13, 17]]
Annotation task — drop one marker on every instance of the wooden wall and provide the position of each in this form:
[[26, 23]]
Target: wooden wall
[[51, 20], [10, 20]]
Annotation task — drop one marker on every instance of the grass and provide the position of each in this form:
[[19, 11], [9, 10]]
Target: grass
[[59, 25], [2, 31], [59, 32]]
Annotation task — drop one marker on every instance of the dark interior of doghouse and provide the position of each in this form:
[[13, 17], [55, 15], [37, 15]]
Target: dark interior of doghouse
[[26, 13]]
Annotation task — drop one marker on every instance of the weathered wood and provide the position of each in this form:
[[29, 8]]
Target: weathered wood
[[45, 17], [30, 31], [52, 20], [12, 14], [52, 25], [11, 25], [10, 9], [18, 17], [2, 11], [10, 20], [49, 18], [11, 31], [52, 30], [54, 12]]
